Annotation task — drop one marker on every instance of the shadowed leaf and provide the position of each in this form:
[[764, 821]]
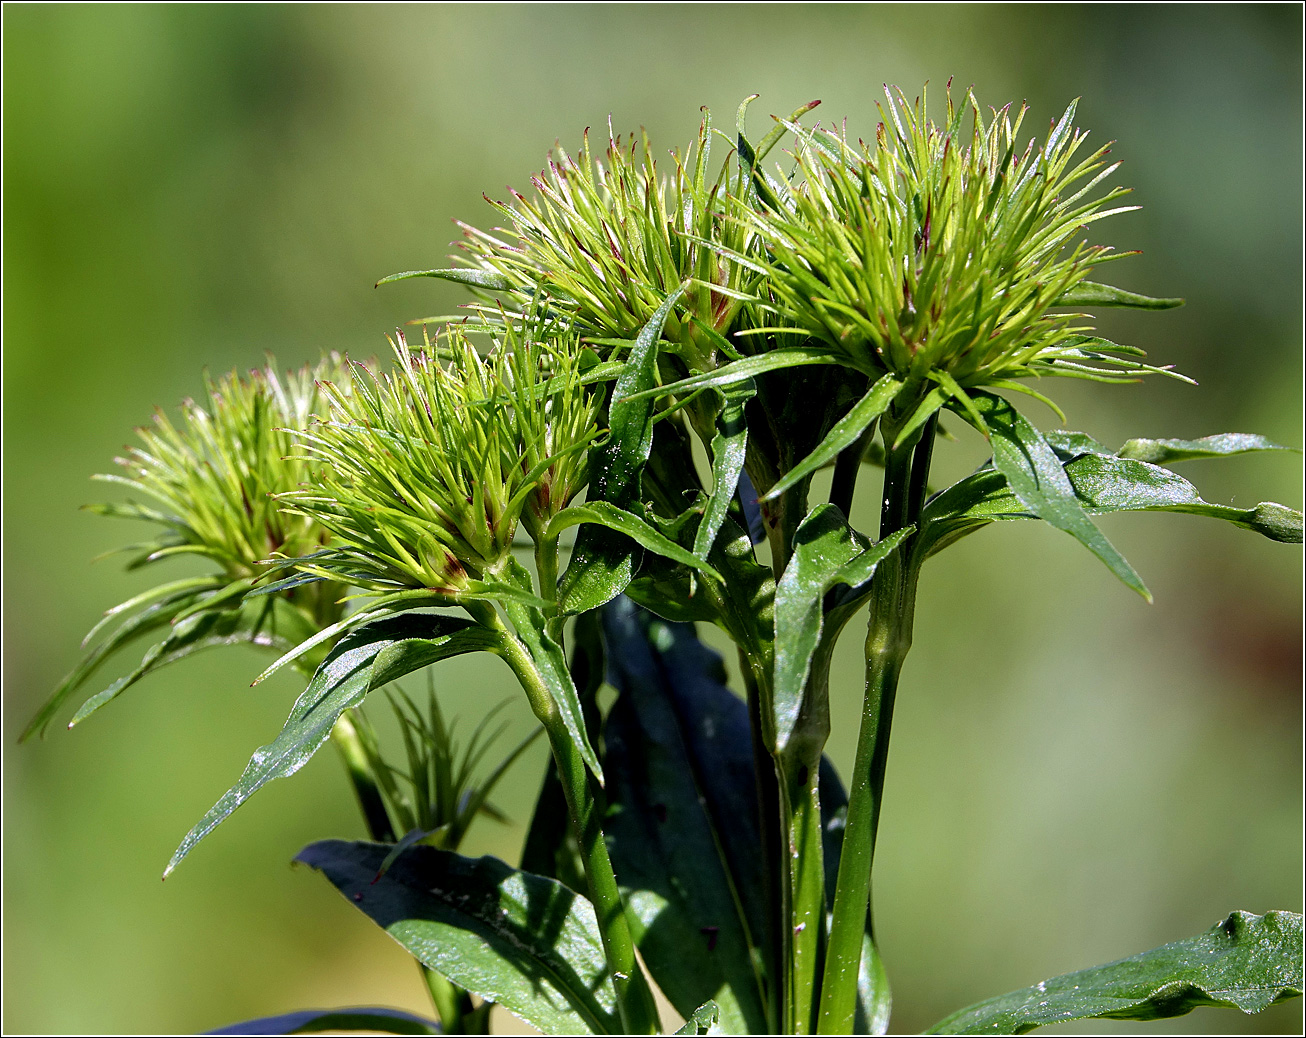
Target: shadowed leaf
[[522, 941]]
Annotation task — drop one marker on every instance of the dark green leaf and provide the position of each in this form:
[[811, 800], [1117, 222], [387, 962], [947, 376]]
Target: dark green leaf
[[702, 1020], [729, 447], [486, 279], [365, 659], [269, 622], [683, 824], [826, 552], [524, 942], [311, 1021], [601, 564], [1163, 452], [1247, 962], [1035, 475], [845, 433], [1090, 293]]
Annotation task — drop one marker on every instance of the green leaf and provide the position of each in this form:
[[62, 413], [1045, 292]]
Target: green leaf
[[365, 659], [1247, 962], [1035, 475], [729, 447], [702, 1020], [1104, 484], [551, 848], [464, 276], [683, 826], [845, 432], [743, 370], [1163, 452], [522, 941], [1090, 293], [826, 553], [601, 566], [618, 519], [269, 622], [156, 615], [312, 1021], [551, 665]]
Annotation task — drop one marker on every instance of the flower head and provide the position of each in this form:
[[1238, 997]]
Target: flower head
[[427, 470], [943, 250], [215, 472]]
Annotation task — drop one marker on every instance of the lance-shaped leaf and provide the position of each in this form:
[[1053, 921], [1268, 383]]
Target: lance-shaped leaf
[[606, 514], [313, 1021], [551, 848], [1103, 484], [1090, 293], [154, 616], [602, 565], [474, 278], [365, 659], [522, 941], [683, 823], [1036, 477], [268, 622], [1247, 962], [1164, 452], [551, 665], [846, 432], [827, 552], [745, 369], [729, 447]]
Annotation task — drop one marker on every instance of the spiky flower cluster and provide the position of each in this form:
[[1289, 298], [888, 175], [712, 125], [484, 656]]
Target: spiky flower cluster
[[216, 472], [608, 239], [427, 470], [941, 249]]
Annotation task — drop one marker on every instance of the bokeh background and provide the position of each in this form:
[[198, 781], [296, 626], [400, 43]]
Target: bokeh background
[[1076, 776]]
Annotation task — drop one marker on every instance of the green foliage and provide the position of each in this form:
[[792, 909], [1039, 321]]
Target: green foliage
[[1246, 962], [522, 941]]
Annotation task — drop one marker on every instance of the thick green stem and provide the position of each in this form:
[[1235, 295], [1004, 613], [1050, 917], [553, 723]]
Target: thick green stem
[[634, 999], [888, 639]]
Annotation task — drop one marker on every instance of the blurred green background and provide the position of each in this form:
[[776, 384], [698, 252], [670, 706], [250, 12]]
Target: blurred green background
[[1076, 776]]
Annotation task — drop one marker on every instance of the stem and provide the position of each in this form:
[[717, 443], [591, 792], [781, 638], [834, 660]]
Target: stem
[[345, 737], [888, 639], [635, 1004], [546, 563]]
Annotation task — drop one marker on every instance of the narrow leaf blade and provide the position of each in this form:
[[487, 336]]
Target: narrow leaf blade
[[1040, 483], [1090, 293], [365, 659]]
